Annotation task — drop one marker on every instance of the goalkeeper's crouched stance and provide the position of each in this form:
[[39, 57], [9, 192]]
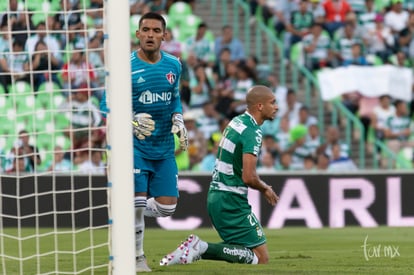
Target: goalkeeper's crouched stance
[[227, 204]]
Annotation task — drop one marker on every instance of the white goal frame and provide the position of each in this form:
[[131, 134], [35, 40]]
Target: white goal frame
[[120, 151]]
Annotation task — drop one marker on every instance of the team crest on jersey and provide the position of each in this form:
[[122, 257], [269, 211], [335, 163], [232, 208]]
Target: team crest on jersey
[[170, 77]]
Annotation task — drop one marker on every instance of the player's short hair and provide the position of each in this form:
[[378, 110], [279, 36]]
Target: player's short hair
[[153, 15]]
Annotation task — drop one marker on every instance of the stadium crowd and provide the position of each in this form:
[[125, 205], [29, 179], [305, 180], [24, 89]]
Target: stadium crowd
[[37, 57]]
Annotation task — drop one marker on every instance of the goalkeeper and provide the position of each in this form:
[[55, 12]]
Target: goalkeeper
[[157, 116], [234, 173]]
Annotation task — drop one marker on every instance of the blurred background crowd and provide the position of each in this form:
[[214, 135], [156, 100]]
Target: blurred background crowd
[[52, 76]]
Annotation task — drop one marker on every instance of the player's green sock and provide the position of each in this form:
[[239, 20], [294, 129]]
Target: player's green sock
[[229, 253]]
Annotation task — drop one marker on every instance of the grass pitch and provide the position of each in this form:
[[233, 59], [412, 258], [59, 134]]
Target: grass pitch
[[293, 250]]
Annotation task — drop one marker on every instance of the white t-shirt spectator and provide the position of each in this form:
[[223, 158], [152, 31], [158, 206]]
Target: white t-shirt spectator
[[396, 21], [383, 115]]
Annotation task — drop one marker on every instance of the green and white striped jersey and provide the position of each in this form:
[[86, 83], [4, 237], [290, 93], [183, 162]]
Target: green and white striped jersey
[[398, 123], [242, 135]]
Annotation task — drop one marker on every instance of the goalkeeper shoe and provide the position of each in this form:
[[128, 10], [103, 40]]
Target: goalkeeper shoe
[[141, 264], [175, 256], [192, 250]]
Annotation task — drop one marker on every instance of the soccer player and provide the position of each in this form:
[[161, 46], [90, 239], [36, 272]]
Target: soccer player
[[157, 116], [227, 204]]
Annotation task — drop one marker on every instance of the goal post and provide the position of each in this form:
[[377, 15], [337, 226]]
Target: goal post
[[120, 141]]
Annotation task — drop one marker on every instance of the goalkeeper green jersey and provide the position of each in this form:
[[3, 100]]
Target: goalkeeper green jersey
[[242, 135]]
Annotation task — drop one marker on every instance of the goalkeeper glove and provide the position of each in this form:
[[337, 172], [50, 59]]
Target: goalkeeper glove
[[179, 129], [143, 125]]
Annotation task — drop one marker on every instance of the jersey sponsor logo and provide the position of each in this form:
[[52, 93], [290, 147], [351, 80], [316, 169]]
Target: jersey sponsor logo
[[140, 80], [171, 77], [148, 97]]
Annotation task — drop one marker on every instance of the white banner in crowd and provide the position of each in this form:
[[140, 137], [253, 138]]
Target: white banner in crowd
[[369, 81]]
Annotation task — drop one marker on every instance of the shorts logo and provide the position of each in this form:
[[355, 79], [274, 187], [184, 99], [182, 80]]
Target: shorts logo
[[170, 77], [137, 171]]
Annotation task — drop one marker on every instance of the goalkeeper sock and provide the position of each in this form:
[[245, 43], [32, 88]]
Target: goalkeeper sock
[[156, 209], [230, 253], [140, 203]]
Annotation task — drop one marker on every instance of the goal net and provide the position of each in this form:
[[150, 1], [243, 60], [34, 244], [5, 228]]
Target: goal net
[[53, 161]]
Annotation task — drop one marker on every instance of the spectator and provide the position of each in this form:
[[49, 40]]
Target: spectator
[[59, 162], [226, 40], [280, 92], [368, 16], [245, 80], [267, 163], [313, 140], [15, 65], [252, 63], [309, 163], [317, 10], [220, 68], [335, 12], [16, 160], [339, 162], [300, 23], [93, 164], [28, 151], [208, 121], [317, 46], [22, 26], [96, 12], [397, 129], [380, 40], [343, 44], [282, 10], [282, 135], [396, 18], [285, 162], [266, 8], [5, 40], [365, 109], [293, 106], [406, 36], [200, 88], [187, 72], [170, 45], [225, 88], [303, 117], [69, 16], [400, 59], [358, 31], [85, 118], [381, 114], [357, 6], [333, 137], [270, 145], [138, 7], [77, 71], [41, 34], [44, 65], [202, 46], [10, 16], [357, 56], [297, 146], [181, 157], [209, 160], [96, 58], [322, 161], [158, 6], [197, 147]]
